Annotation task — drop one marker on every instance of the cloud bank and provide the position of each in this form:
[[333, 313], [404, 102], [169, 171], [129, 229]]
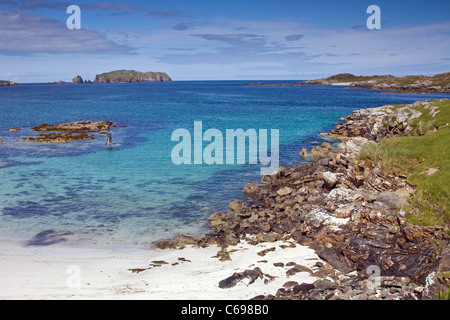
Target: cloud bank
[[22, 33]]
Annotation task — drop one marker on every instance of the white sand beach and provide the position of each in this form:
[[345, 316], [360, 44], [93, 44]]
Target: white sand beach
[[56, 272]]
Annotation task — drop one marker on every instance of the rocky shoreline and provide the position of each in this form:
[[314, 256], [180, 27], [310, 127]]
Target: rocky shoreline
[[349, 211]]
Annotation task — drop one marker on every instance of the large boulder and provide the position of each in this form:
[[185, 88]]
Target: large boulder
[[251, 189], [329, 179]]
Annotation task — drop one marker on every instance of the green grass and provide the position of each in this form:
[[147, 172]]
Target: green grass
[[413, 156], [444, 295], [348, 77]]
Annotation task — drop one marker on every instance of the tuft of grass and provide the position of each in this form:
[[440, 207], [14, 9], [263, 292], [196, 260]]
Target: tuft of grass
[[444, 295], [413, 156]]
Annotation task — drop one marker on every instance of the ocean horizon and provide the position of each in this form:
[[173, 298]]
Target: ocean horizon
[[83, 194]]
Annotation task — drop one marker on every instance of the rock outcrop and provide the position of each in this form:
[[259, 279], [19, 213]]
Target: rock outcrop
[[123, 76], [77, 80], [69, 131], [84, 125]]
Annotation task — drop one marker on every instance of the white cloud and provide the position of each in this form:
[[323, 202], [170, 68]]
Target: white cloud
[[22, 33], [315, 49]]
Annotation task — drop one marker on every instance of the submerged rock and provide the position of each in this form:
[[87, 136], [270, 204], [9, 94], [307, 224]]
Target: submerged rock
[[58, 138], [84, 125], [69, 131]]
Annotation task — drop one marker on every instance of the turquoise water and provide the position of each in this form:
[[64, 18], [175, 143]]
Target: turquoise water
[[133, 194]]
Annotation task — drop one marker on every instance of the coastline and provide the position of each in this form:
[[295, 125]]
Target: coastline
[[350, 211], [49, 273], [389, 84], [309, 232]]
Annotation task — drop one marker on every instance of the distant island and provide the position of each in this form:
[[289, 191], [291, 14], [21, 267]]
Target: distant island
[[408, 84], [6, 83], [439, 83], [121, 76], [126, 76]]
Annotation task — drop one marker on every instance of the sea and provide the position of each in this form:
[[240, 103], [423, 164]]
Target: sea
[[84, 194]]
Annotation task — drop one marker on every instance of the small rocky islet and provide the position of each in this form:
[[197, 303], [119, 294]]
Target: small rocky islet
[[349, 211], [67, 132]]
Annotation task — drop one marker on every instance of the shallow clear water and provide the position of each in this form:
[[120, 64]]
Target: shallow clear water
[[133, 194]]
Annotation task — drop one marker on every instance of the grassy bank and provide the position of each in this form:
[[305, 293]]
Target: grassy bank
[[424, 158]]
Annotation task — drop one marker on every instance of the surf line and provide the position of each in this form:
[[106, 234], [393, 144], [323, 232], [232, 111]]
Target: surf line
[[231, 150]]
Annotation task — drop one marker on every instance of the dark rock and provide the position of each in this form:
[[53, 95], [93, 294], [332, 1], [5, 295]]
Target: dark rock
[[335, 257], [231, 281], [77, 80], [164, 244], [324, 284], [303, 288]]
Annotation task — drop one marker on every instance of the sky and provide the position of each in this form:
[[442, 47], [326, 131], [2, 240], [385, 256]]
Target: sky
[[222, 40]]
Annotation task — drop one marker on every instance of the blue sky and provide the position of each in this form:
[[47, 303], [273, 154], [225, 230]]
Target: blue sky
[[222, 40]]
